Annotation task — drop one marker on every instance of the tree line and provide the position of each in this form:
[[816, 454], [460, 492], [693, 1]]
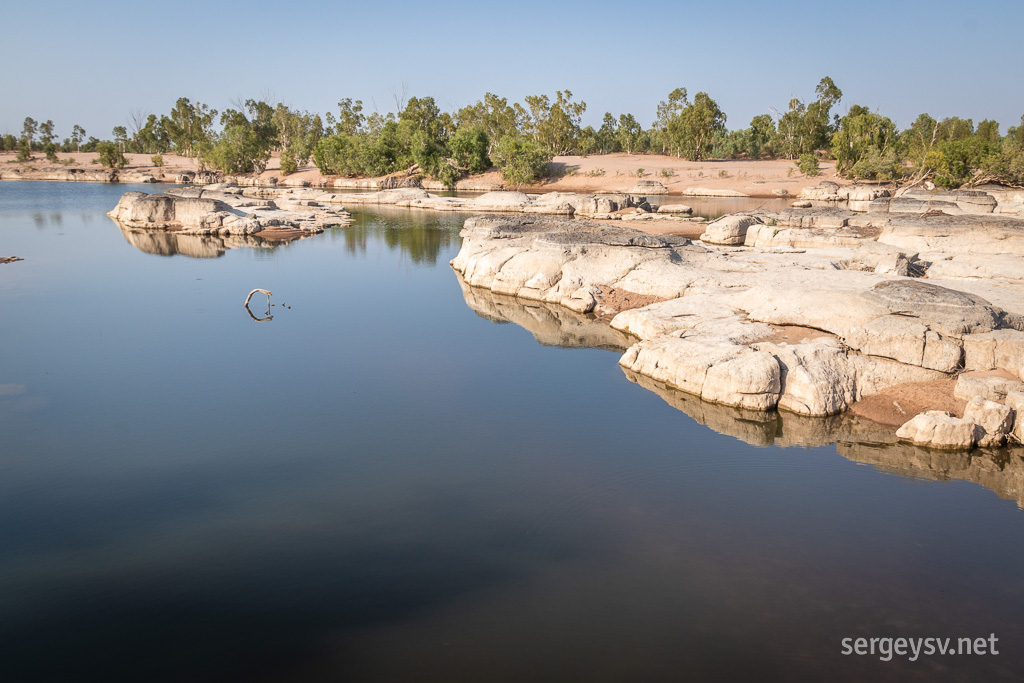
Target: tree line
[[521, 138]]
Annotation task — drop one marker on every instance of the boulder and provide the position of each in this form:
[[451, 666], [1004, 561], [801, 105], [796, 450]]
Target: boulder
[[721, 373], [1002, 349], [942, 430], [991, 388], [648, 187], [675, 208], [729, 230], [995, 419], [1015, 401], [825, 191]]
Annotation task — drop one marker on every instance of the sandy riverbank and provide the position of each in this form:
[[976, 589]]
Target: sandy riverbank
[[584, 174]]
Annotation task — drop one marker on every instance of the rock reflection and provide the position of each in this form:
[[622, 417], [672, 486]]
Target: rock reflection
[[550, 324], [170, 243], [856, 439]]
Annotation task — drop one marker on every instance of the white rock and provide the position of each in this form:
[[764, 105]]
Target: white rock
[[938, 429], [1015, 401], [995, 418], [990, 388]]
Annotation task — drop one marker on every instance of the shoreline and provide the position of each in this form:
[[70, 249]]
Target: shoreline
[[592, 174]]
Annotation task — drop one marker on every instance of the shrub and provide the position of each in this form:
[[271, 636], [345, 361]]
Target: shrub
[[24, 153], [288, 163], [639, 173], [808, 165], [667, 173], [50, 150], [110, 155], [523, 161], [158, 160]]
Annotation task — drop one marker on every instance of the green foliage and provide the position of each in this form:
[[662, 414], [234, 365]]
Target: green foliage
[[24, 151], [110, 155], [240, 148], [158, 160], [865, 146], [288, 163], [556, 127], [77, 136], [469, 149], [691, 132], [495, 116], [808, 164], [807, 128], [522, 160], [28, 131], [50, 150], [189, 125]]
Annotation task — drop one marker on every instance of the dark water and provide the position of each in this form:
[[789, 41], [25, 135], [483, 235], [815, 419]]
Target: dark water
[[381, 484]]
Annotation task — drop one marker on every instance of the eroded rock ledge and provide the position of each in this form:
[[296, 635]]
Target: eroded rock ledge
[[224, 211], [716, 329]]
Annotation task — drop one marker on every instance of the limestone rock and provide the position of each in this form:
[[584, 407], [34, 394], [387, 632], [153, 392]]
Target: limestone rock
[[825, 191], [969, 386], [1015, 401], [996, 349], [709, 192], [720, 373], [994, 418], [675, 208], [648, 187], [938, 429], [908, 341], [729, 230]]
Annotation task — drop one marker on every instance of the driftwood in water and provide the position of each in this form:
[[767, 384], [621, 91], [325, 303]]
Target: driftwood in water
[[265, 291]]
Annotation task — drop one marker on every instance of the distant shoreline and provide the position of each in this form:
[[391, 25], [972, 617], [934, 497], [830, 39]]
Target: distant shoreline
[[774, 178]]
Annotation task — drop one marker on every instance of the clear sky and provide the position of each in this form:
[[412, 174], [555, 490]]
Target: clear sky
[[92, 62]]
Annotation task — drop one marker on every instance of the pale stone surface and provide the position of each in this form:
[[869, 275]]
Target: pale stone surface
[[729, 230], [1002, 349], [995, 419], [969, 386], [1015, 401], [937, 429], [906, 340], [222, 211], [646, 187], [721, 373], [720, 302], [710, 192], [675, 208]]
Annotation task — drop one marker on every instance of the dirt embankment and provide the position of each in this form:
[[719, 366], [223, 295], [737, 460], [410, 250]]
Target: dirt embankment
[[584, 174]]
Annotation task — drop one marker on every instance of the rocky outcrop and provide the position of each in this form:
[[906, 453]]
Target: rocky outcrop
[[713, 333], [222, 211], [648, 187], [63, 175]]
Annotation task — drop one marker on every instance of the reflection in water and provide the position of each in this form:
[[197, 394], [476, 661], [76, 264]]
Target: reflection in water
[[550, 324], [856, 438], [420, 234], [169, 243]]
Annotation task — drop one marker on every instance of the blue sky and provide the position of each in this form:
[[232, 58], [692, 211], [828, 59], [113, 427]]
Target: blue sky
[[91, 63]]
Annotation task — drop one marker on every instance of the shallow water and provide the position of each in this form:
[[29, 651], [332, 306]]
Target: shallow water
[[382, 483]]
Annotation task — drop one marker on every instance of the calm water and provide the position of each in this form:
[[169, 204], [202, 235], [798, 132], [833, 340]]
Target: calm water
[[382, 484]]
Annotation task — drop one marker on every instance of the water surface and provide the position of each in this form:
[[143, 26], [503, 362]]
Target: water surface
[[382, 483]]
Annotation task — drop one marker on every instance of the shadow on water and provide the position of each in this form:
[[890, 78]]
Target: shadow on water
[[855, 438]]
